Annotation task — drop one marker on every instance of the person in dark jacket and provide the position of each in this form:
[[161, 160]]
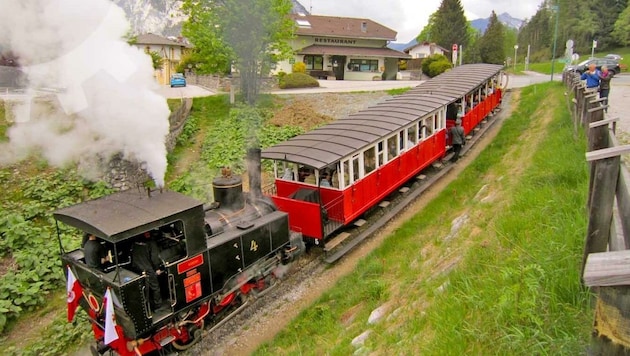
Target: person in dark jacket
[[458, 139], [94, 252], [145, 259], [604, 85]]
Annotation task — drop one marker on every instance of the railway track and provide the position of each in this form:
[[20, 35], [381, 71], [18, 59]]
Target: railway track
[[313, 273]]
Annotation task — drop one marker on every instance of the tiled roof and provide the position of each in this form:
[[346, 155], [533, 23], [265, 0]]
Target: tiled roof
[[353, 51], [153, 39], [343, 27]]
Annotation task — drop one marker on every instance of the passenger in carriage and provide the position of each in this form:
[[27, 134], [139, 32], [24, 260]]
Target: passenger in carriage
[[288, 174], [303, 173], [325, 180]]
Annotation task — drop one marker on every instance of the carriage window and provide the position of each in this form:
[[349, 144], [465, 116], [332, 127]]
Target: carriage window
[[306, 175], [381, 154], [436, 122], [411, 136], [428, 126], [285, 171], [345, 171], [392, 147], [355, 168], [421, 133], [369, 160], [401, 140]]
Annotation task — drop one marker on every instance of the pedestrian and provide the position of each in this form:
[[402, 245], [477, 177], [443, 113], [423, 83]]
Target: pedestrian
[[145, 259], [592, 77], [458, 139], [604, 85], [94, 252]]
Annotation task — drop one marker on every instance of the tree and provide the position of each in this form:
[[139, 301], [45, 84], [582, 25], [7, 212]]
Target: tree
[[450, 25], [251, 34], [156, 60], [491, 44], [426, 33], [621, 32]]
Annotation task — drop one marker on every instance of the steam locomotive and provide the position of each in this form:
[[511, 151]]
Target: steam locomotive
[[213, 257]]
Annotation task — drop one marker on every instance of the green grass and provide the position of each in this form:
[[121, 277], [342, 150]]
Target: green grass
[[507, 283], [397, 91]]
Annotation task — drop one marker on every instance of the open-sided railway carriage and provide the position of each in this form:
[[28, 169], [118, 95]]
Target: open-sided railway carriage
[[327, 178], [211, 256]]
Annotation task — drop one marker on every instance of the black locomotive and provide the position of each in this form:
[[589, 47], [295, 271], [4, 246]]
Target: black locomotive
[[212, 257]]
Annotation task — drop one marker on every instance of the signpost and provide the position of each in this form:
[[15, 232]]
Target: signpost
[[454, 54]]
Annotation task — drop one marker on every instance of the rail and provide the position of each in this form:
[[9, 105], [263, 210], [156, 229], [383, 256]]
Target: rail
[[606, 259]]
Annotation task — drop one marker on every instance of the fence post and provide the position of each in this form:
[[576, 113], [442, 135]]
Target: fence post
[[600, 210]]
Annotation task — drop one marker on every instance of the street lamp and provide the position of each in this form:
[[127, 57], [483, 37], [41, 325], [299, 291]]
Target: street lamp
[[556, 9], [515, 49]]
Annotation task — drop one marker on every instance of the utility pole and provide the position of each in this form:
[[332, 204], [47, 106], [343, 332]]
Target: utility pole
[[515, 49], [556, 9]]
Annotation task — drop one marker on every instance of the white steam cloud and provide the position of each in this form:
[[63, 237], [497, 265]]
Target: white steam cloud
[[107, 105]]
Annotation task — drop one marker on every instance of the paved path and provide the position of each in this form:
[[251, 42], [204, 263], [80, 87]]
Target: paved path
[[189, 91]]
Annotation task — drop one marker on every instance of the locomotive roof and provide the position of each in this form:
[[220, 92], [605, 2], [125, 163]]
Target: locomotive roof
[[328, 144], [124, 214]]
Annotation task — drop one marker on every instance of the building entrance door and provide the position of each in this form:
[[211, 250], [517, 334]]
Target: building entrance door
[[339, 66]]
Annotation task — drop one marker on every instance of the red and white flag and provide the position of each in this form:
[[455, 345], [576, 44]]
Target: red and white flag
[[110, 322], [75, 292]]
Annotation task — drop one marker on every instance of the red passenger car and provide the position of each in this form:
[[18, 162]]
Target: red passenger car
[[329, 177]]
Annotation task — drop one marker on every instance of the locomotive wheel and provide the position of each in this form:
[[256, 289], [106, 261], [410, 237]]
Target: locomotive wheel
[[195, 334]]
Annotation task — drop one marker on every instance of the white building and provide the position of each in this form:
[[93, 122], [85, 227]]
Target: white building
[[424, 49], [170, 50]]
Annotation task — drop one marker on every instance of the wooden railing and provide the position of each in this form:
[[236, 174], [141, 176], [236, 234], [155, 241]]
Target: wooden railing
[[606, 259]]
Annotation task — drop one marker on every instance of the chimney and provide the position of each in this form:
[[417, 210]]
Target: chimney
[[363, 26], [254, 173]]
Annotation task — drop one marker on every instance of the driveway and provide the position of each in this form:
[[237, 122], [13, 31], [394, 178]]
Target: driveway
[[189, 91]]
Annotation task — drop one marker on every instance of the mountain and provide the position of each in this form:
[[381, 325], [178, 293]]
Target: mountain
[[505, 18], [163, 17]]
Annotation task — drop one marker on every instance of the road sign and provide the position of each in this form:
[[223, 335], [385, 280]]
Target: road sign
[[454, 47]]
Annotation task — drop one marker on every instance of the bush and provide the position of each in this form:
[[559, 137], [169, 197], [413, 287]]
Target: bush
[[297, 80], [299, 67], [438, 67], [426, 64]]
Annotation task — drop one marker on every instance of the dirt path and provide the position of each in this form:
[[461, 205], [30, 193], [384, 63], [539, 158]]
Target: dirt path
[[250, 332]]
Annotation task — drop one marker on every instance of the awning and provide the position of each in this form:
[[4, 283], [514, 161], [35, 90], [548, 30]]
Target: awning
[[353, 51]]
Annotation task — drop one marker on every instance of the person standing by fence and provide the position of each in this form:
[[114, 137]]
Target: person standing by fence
[[592, 77], [604, 85]]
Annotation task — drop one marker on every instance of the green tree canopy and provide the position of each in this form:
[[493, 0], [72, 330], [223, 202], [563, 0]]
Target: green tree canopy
[[450, 25], [251, 34], [491, 44]]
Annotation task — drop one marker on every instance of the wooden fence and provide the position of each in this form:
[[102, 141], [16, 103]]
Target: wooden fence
[[606, 260]]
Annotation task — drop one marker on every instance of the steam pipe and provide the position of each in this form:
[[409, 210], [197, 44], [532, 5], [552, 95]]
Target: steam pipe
[[254, 172]]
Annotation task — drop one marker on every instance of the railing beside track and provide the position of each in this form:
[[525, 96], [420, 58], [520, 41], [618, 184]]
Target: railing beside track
[[606, 259]]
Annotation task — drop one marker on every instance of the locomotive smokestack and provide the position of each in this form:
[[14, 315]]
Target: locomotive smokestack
[[254, 173]]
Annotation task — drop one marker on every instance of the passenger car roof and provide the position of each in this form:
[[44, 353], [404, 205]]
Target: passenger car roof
[[125, 214], [328, 144]]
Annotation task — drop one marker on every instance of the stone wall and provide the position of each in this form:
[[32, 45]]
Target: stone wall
[[122, 174], [223, 84]]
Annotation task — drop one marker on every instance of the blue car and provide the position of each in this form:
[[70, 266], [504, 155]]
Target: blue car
[[178, 79]]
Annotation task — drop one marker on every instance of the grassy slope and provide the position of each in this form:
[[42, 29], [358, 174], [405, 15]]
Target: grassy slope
[[506, 283]]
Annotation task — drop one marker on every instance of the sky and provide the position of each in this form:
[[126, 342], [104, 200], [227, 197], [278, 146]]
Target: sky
[[408, 17]]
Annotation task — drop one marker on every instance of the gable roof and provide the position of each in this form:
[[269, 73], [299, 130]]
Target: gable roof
[[418, 44], [331, 26], [153, 39]]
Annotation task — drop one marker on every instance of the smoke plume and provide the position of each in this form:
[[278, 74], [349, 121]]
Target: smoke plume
[[105, 103]]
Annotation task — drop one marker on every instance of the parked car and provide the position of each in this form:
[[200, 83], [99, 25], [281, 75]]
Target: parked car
[[178, 80], [614, 56], [612, 64]]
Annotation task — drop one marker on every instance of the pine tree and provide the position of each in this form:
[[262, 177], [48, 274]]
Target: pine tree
[[451, 26], [491, 43]]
